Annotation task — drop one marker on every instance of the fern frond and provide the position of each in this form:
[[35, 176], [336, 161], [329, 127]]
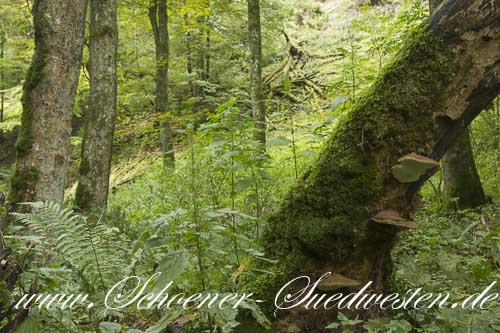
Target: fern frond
[[69, 240]]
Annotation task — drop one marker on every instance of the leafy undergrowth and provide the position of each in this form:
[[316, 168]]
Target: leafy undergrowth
[[456, 252]]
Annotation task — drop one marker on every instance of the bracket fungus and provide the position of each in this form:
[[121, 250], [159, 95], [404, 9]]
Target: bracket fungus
[[411, 167], [337, 281], [391, 217]]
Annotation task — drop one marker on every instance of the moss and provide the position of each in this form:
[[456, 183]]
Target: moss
[[84, 166], [5, 295], [22, 180], [33, 79], [26, 176], [325, 216], [318, 234], [83, 198]]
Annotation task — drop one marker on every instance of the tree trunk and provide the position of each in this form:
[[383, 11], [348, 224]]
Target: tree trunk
[[2, 76], [207, 55], [95, 165], [461, 180], [433, 5], [255, 44], [43, 146], [158, 16], [189, 64], [328, 222]]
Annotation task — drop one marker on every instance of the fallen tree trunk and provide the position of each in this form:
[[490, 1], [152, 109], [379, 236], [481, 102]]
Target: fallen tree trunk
[[380, 153]]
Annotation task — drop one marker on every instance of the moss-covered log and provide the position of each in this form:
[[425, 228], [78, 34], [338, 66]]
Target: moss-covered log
[[452, 64], [461, 179], [43, 145]]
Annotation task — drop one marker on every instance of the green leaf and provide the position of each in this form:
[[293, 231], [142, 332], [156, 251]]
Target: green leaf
[[109, 327], [160, 326], [333, 325], [278, 141], [342, 317], [346, 321], [29, 325], [338, 101], [287, 84], [170, 267]]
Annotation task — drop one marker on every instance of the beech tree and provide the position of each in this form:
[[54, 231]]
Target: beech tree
[[95, 164], [43, 146], [255, 45], [344, 214], [3, 40], [158, 17]]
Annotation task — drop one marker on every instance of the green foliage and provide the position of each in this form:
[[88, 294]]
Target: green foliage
[[93, 253], [453, 252], [486, 145], [344, 322], [73, 257]]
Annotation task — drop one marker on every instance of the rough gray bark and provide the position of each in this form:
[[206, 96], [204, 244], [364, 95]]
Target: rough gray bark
[[158, 17], [461, 180], [95, 165], [255, 45], [43, 146], [327, 223]]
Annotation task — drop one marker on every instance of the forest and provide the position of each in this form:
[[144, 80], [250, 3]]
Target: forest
[[190, 166]]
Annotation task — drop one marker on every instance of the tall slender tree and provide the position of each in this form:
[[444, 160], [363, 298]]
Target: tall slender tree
[[158, 16], [95, 165], [3, 40], [256, 92], [43, 146], [461, 181]]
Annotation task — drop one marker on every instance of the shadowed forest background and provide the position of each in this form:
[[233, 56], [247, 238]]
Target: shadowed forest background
[[231, 144]]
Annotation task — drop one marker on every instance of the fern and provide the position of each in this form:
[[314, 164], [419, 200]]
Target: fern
[[96, 253]]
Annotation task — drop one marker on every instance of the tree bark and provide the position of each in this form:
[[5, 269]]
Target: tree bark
[[207, 53], [433, 5], [461, 180], [95, 165], [189, 64], [43, 146], [2, 76], [255, 45], [158, 17], [328, 220]]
